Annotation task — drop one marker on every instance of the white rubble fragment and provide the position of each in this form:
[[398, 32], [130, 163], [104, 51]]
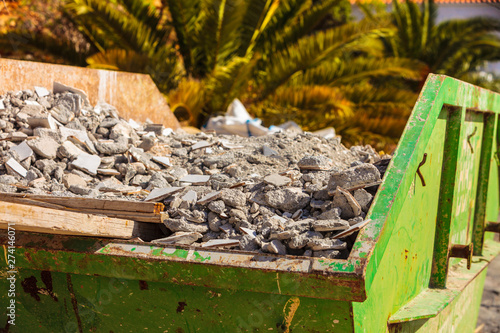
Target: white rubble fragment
[[2, 106], [277, 180], [195, 179], [190, 197], [60, 88], [201, 144], [82, 136], [167, 131], [209, 197], [165, 161], [135, 125], [42, 91], [221, 243], [69, 150], [352, 229], [158, 194], [108, 172], [14, 165], [179, 238], [43, 121], [22, 150], [250, 232], [88, 163], [28, 102]]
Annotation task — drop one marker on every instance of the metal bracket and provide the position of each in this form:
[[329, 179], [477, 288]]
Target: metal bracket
[[462, 251], [418, 169], [492, 227]]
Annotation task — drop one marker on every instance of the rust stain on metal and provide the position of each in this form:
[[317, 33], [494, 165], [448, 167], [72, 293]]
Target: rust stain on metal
[[74, 302], [181, 306], [134, 95]]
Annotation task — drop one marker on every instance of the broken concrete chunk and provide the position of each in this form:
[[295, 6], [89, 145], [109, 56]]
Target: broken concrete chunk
[[277, 180], [42, 91], [330, 225], [80, 137], [329, 254], [68, 150], [217, 207], [233, 197], [249, 232], [266, 151], [348, 205], [15, 167], [201, 144], [165, 161], [209, 197], [283, 235], [247, 243], [179, 238], [362, 174], [158, 194], [353, 203], [44, 147], [189, 199], [46, 121], [70, 179], [2, 106], [331, 214], [110, 147], [60, 88], [288, 199], [88, 163], [195, 179], [17, 136], [184, 225], [221, 243], [326, 244], [274, 246], [352, 229], [363, 198], [22, 150], [315, 163]]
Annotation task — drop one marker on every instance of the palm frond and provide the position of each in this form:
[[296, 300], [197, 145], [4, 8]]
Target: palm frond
[[312, 50], [338, 72]]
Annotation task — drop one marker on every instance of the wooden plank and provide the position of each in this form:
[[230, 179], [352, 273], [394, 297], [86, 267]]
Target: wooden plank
[[90, 203], [139, 217], [46, 220]]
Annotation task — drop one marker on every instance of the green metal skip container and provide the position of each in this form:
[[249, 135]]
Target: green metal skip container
[[418, 266]]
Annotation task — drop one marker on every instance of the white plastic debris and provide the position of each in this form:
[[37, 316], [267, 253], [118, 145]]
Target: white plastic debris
[[237, 121]]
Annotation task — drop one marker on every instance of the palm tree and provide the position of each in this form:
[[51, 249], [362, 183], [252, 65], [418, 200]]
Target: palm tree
[[458, 48], [268, 53]]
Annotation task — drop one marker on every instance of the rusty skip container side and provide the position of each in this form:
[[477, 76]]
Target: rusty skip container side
[[398, 277], [134, 95]]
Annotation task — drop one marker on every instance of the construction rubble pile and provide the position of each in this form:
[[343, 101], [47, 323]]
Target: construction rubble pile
[[282, 193]]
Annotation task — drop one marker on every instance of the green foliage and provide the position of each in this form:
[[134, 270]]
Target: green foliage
[[285, 59], [458, 48]]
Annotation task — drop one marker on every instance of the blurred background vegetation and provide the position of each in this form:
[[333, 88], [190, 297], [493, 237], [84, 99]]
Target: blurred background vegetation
[[303, 60]]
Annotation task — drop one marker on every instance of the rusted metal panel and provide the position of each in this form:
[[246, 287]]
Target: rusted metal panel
[[134, 95]]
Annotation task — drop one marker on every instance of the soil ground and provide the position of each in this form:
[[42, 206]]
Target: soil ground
[[489, 314]]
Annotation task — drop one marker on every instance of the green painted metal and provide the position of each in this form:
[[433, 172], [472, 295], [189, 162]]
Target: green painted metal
[[439, 270], [379, 288]]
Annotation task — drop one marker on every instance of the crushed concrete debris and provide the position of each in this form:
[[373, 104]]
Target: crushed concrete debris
[[283, 193]]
